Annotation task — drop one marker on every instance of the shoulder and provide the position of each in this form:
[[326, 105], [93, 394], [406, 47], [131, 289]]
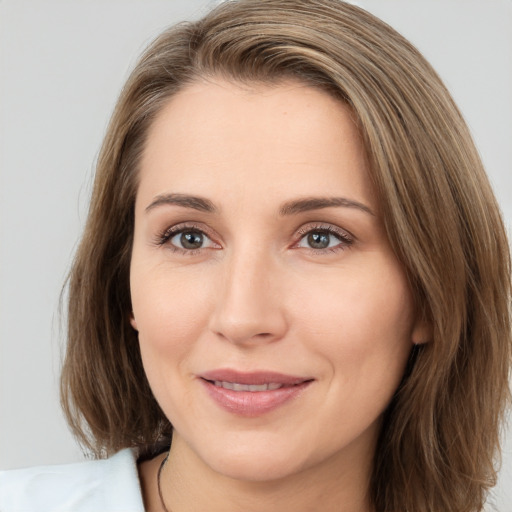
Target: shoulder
[[110, 485]]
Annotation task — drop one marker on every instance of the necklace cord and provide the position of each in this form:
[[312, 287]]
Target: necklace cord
[[158, 483]]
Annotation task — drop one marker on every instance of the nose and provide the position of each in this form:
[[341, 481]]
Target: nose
[[250, 308]]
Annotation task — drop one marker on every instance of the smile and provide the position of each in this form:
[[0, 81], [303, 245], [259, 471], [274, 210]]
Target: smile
[[236, 386], [252, 394]]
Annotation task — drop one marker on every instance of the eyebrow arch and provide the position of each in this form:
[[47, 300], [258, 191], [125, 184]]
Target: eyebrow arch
[[315, 203], [195, 202]]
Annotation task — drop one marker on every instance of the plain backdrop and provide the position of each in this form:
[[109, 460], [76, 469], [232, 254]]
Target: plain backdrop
[[62, 64]]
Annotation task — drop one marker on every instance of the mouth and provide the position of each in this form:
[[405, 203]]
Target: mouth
[[254, 393], [237, 386], [252, 381]]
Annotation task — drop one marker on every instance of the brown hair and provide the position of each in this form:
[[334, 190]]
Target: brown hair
[[440, 436]]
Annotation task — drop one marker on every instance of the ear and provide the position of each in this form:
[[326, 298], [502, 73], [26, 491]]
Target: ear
[[422, 331], [133, 322]]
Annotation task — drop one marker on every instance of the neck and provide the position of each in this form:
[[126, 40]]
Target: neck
[[339, 484]]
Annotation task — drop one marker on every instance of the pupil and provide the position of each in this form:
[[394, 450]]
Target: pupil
[[318, 240], [191, 240]]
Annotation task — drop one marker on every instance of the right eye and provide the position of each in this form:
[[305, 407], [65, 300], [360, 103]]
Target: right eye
[[186, 239]]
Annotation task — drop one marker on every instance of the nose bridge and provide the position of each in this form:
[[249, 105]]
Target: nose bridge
[[249, 308]]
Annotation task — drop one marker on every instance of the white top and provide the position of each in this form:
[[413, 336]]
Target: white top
[[110, 485]]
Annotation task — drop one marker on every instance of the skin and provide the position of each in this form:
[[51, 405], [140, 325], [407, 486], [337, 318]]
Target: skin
[[257, 296]]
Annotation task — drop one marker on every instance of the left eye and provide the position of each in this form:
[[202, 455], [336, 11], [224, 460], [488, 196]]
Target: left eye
[[190, 239], [321, 239]]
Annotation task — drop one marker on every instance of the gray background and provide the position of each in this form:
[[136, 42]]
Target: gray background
[[62, 64]]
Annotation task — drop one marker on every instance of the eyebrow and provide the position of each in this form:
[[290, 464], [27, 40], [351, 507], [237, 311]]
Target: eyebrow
[[195, 202], [289, 208], [316, 203]]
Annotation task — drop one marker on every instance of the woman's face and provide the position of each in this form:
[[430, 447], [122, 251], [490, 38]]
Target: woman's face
[[274, 319]]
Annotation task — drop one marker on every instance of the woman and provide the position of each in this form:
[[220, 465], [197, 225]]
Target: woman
[[295, 268]]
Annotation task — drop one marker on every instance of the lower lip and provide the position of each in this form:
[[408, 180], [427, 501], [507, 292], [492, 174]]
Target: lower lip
[[253, 403]]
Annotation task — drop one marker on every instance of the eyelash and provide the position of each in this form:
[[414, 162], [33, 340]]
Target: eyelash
[[164, 237], [346, 240]]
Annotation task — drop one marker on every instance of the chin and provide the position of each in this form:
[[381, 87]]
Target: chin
[[252, 459], [262, 468]]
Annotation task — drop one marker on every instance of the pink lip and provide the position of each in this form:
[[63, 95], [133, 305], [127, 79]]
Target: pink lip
[[256, 377], [252, 403]]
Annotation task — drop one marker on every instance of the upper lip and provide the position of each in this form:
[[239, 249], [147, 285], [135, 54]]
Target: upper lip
[[253, 377]]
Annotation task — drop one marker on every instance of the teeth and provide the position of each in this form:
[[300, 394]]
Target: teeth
[[235, 386]]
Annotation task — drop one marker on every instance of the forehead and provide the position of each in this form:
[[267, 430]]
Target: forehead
[[284, 136]]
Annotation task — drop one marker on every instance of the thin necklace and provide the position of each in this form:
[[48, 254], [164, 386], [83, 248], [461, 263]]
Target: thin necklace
[[158, 483]]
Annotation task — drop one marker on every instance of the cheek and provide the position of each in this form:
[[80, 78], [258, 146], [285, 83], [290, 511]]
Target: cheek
[[170, 312], [361, 322], [360, 327]]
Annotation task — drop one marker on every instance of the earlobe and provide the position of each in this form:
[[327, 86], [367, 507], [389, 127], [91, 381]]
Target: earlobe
[[133, 322], [422, 332]]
